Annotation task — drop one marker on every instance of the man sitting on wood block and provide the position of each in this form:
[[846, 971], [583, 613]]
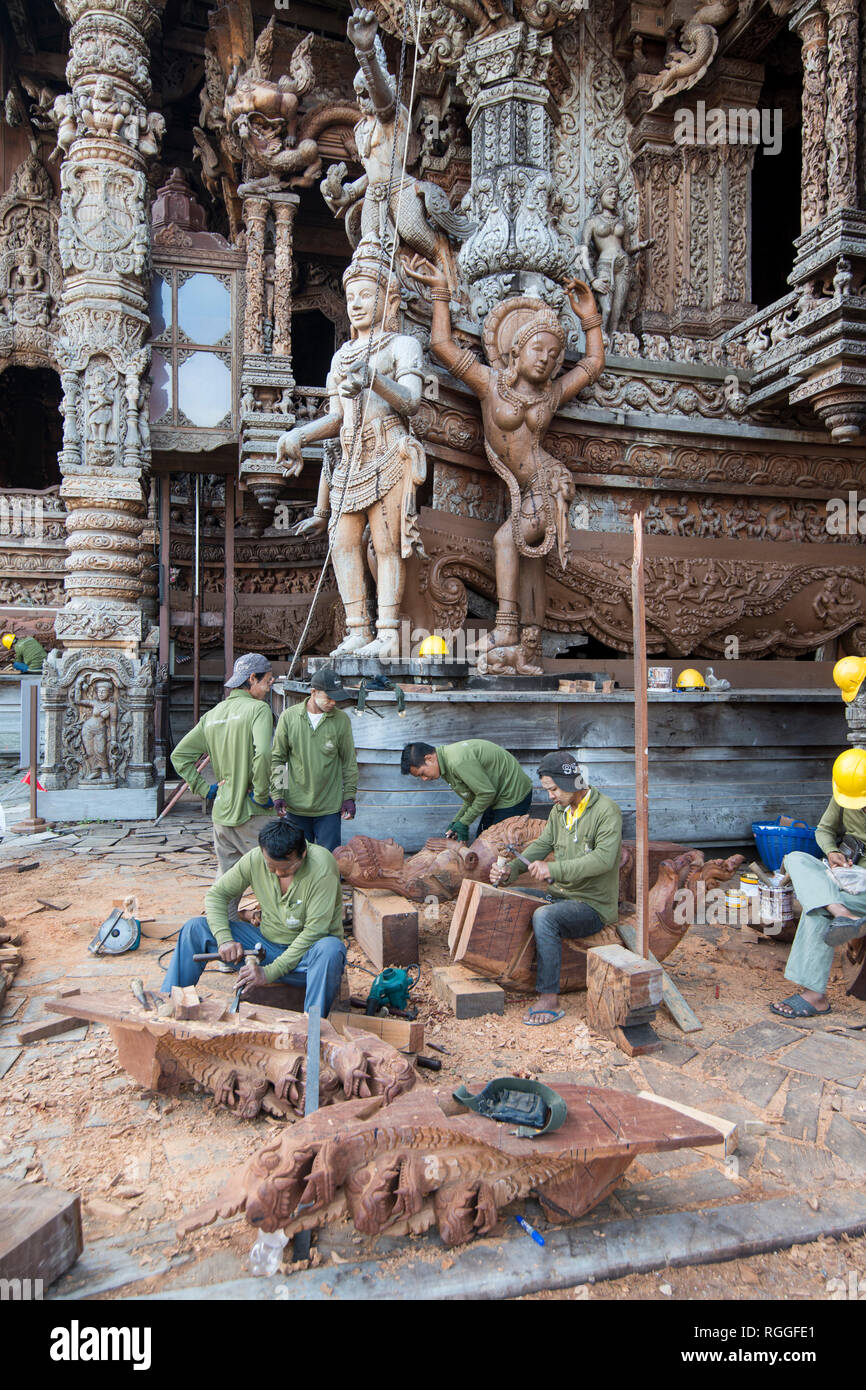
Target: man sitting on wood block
[[584, 833], [298, 887], [490, 780]]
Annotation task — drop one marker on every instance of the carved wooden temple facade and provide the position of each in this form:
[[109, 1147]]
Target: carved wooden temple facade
[[171, 297]]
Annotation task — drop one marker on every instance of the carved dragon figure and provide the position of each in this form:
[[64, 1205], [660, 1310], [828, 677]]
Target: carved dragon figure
[[685, 66], [424, 1160]]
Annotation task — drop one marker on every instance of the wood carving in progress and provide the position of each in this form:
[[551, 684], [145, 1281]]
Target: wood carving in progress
[[425, 1160], [251, 1061]]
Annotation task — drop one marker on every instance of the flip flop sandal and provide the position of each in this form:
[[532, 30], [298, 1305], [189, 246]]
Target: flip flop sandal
[[536, 1020], [800, 1008], [843, 929]]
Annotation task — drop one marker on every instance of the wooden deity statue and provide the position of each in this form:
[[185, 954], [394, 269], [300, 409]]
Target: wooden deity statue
[[525, 344], [374, 387], [604, 237]]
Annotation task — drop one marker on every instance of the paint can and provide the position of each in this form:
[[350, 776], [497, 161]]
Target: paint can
[[777, 905]]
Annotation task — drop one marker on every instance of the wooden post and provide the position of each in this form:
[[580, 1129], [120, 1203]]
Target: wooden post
[[196, 608], [34, 823], [229, 596], [164, 564], [641, 740]]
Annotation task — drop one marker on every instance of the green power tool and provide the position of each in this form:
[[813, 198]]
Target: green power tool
[[390, 990]]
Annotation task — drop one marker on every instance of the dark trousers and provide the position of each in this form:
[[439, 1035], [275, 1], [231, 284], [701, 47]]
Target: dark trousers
[[550, 924], [494, 814], [319, 830]]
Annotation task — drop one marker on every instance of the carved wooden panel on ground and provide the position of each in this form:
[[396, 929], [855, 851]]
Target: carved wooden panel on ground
[[251, 1061], [425, 1160]]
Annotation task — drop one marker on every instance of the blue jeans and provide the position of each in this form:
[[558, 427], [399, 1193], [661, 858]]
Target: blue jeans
[[550, 924], [493, 815], [319, 969], [319, 830]]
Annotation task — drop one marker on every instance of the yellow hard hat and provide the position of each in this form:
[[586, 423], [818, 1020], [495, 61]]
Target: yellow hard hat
[[849, 778], [691, 680], [434, 645], [8, 640], [848, 675]]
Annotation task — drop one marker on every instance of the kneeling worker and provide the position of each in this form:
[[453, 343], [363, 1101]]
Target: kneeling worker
[[830, 917], [29, 655], [298, 888], [490, 780], [584, 833]]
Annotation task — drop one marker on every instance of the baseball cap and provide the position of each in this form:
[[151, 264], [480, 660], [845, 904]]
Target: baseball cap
[[327, 680], [562, 768], [250, 664]]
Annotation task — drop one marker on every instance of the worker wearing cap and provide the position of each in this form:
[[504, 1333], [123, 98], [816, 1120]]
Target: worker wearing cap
[[236, 736], [28, 653], [489, 779], [830, 916], [314, 770], [298, 888], [584, 835]]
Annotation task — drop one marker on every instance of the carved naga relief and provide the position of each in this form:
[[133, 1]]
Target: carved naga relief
[[426, 1161], [685, 66], [252, 1061]]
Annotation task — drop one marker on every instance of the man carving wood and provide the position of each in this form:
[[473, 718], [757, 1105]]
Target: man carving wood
[[584, 833]]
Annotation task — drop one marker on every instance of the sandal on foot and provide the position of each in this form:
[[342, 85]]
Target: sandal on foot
[[799, 1008], [539, 1017], [843, 929]]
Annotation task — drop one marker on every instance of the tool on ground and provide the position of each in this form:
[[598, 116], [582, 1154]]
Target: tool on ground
[[428, 1063], [357, 1001], [137, 987], [184, 786], [254, 957], [116, 935], [303, 1240], [391, 988], [437, 1047], [530, 1230]]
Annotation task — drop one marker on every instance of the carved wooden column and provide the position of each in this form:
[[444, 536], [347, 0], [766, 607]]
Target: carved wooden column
[[98, 692], [285, 206], [843, 64], [255, 220], [811, 25]]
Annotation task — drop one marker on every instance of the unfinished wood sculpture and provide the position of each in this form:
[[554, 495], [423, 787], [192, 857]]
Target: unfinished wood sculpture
[[10, 959], [425, 1160], [491, 933], [623, 992], [251, 1061]]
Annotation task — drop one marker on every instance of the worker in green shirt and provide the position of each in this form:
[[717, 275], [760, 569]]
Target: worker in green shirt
[[28, 653], [236, 736], [581, 881], [314, 770], [490, 780], [298, 888]]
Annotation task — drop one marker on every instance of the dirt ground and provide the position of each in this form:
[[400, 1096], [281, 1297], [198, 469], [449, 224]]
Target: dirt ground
[[70, 1116]]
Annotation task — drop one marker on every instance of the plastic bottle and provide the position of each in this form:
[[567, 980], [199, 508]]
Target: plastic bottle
[[267, 1253]]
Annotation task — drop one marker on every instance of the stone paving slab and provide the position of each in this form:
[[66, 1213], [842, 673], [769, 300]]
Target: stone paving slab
[[799, 1166], [674, 1054], [830, 1057], [848, 1144], [8, 1058], [687, 1089], [759, 1039], [673, 1193], [802, 1105], [854, 1107], [757, 1082]]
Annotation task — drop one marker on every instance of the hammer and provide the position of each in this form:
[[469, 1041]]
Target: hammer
[[253, 957]]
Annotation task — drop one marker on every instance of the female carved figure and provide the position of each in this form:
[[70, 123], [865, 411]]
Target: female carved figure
[[525, 344], [99, 731], [604, 235]]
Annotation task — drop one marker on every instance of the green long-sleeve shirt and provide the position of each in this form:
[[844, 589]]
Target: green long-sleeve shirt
[[314, 770], [236, 735], [311, 909], [585, 865], [30, 653], [484, 775], [838, 821]]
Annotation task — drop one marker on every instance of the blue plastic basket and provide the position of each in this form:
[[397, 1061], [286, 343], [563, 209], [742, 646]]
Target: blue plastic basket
[[774, 841]]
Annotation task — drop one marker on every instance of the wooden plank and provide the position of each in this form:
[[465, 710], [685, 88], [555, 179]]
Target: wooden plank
[[385, 926], [459, 914], [681, 1013], [727, 1128], [40, 1231], [34, 1032], [465, 994], [399, 1032]]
